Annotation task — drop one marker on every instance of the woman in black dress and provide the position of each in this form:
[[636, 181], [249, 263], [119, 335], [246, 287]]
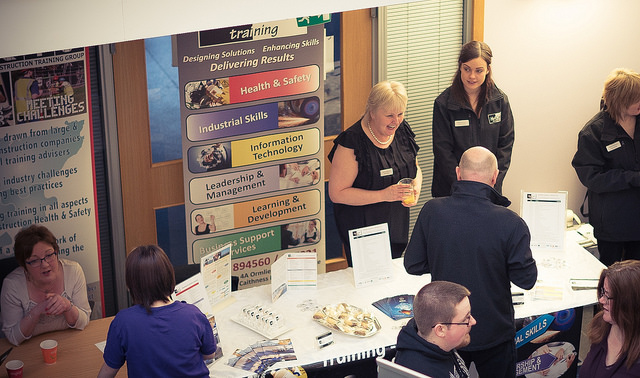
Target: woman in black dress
[[368, 159]]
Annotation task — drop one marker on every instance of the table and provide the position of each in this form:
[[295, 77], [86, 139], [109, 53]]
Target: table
[[78, 355], [555, 269]]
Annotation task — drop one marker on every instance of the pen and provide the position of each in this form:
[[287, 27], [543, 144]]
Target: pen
[[5, 355]]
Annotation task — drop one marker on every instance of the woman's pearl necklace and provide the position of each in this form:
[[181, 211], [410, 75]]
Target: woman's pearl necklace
[[374, 135]]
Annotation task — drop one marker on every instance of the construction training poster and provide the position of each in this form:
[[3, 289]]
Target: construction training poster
[[46, 157]]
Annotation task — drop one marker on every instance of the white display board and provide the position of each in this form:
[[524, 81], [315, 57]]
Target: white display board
[[371, 253], [545, 214]]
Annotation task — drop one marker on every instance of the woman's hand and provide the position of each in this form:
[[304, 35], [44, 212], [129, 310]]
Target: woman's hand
[[39, 309], [56, 304], [570, 358], [417, 187], [396, 192], [416, 195]]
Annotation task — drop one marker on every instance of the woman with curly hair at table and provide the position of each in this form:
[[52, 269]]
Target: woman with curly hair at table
[[45, 293]]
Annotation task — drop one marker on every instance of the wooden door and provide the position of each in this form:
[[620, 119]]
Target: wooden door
[[145, 186]]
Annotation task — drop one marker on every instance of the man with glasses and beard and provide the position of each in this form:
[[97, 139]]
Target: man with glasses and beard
[[441, 323]]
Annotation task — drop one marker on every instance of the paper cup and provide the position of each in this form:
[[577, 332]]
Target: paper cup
[[49, 351], [14, 368]]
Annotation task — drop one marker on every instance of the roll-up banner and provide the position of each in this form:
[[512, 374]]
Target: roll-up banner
[[46, 157], [252, 107]]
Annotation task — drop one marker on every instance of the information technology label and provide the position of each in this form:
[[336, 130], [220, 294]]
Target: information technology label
[[275, 147]]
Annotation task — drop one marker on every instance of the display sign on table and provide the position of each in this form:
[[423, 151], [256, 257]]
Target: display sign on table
[[293, 271], [545, 214], [371, 254], [211, 287]]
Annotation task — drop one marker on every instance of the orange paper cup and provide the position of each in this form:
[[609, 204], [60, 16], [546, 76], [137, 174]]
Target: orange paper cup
[[49, 351], [14, 368]]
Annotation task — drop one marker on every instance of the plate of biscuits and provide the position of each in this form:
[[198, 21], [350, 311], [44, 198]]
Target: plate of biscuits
[[348, 319]]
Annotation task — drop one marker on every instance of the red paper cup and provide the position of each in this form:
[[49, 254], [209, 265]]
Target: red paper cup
[[14, 368], [49, 351]]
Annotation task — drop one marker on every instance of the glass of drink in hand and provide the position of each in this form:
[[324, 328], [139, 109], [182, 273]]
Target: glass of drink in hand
[[409, 194]]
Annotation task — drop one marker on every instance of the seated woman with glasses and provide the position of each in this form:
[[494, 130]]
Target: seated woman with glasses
[[614, 332], [45, 293]]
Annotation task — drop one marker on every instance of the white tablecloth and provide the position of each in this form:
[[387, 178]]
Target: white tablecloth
[[555, 268]]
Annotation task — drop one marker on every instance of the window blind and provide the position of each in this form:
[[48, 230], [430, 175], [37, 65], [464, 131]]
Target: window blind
[[418, 45]]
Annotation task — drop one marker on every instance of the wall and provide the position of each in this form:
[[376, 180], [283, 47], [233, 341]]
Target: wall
[[551, 57], [63, 24]]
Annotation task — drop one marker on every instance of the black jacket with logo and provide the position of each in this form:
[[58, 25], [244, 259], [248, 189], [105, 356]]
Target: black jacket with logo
[[456, 128], [608, 164]]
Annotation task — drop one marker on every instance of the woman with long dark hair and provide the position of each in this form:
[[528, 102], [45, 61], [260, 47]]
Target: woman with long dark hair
[[471, 112]]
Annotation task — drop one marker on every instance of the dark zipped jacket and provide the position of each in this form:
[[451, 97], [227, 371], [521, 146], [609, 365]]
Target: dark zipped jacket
[[456, 128], [608, 164], [472, 239]]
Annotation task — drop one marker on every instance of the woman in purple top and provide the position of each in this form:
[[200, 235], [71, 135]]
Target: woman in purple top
[[615, 331], [157, 337]]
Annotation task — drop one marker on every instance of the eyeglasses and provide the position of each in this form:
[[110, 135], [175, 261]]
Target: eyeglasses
[[467, 318], [459, 323], [37, 262], [464, 324], [602, 293]]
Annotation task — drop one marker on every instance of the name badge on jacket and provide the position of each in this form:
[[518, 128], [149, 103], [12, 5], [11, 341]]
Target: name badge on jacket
[[495, 118], [461, 122], [386, 172], [614, 146]]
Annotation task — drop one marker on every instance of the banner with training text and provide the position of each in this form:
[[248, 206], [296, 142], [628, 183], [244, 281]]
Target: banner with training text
[[252, 106], [47, 172]]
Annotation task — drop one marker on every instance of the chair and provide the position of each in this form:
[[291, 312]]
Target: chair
[[7, 266], [183, 272], [389, 369]]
